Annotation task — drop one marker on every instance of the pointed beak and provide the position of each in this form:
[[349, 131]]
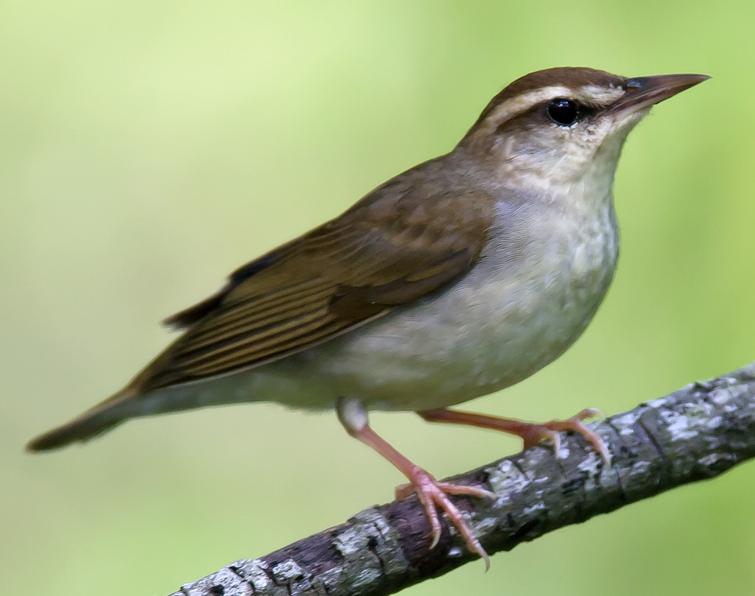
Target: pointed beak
[[644, 92]]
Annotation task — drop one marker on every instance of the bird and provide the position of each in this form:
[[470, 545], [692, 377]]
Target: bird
[[457, 278]]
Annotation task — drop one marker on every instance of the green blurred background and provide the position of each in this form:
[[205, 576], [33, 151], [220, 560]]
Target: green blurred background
[[148, 148]]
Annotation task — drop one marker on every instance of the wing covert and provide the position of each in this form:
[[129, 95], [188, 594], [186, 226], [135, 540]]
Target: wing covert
[[388, 250]]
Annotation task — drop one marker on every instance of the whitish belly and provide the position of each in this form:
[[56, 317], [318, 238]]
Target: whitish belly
[[498, 325]]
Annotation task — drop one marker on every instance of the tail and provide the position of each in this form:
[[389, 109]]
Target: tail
[[99, 419]]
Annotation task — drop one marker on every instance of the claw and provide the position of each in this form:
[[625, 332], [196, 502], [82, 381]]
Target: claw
[[550, 430], [405, 490], [588, 413], [462, 489], [433, 495]]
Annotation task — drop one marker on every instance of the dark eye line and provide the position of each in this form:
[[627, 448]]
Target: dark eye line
[[534, 116]]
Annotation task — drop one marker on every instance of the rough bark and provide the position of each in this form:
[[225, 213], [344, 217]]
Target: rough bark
[[695, 433]]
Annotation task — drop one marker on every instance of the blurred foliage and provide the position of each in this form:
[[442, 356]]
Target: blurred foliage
[[150, 147]]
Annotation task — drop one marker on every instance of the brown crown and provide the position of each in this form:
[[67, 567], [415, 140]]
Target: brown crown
[[567, 76]]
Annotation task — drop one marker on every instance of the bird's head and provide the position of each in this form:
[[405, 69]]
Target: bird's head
[[560, 125]]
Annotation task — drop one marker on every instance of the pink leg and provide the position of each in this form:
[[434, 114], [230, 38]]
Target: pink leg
[[531, 434], [431, 493]]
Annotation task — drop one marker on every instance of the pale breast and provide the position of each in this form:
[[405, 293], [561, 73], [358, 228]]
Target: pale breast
[[534, 291]]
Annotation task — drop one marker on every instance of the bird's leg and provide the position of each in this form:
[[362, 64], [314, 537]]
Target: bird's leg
[[432, 494], [531, 433]]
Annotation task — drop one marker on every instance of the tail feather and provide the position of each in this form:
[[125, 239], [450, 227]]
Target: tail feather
[[100, 419]]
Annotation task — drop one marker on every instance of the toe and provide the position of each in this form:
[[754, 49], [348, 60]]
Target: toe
[[424, 487], [471, 491], [595, 440], [434, 495], [403, 490], [576, 425], [588, 413], [456, 518]]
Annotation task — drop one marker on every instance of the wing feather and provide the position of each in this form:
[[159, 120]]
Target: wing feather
[[247, 322], [394, 247]]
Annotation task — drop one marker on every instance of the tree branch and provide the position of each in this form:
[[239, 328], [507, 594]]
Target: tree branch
[[697, 432]]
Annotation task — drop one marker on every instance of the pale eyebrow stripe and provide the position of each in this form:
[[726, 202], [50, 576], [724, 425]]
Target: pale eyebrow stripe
[[593, 94], [599, 94], [516, 105], [513, 106], [521, 103]]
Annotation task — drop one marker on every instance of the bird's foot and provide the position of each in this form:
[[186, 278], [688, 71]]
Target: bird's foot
[[533, 434], [433, 495]]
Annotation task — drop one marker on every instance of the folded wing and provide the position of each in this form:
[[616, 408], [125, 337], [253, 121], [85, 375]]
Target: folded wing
[[391, 249]]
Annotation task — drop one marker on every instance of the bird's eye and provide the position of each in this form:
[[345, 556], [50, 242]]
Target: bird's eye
[[562, 111]]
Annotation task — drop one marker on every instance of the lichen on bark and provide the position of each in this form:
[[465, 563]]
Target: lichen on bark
[[695, 433]]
